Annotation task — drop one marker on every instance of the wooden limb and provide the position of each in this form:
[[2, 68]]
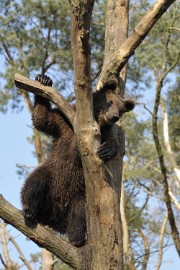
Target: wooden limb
[[167, 199], [8, 262], [162, 231], [48, 92], [146, 249], [47, 260], [118, 59], [125, 229], [41, 235], [22, 257], [167, 144]]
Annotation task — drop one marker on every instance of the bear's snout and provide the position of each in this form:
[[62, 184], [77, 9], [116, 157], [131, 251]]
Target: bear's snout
[[115, 118]]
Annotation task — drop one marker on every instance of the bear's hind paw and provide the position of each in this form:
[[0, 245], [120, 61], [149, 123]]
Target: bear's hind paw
[[78, 243], [28, 215]]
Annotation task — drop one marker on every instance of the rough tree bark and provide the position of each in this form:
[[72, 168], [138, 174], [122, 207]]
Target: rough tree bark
[[103, 249], [102, 192], [117, 19]]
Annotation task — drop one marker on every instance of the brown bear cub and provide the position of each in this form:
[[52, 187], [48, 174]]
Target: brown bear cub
[[54, 193]]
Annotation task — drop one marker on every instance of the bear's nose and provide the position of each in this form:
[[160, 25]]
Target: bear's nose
[[115, 118]]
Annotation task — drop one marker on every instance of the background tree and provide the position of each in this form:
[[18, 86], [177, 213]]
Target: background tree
[[152, 68]]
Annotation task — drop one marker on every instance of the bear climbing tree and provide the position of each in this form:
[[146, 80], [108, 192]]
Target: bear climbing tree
[[102, 179], [54, 194]]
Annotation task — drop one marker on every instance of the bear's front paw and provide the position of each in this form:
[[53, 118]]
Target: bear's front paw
[[107, 150], [43, 79]]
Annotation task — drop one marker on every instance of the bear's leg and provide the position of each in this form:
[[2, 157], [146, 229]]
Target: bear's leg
[[76, 229], [35, 196]]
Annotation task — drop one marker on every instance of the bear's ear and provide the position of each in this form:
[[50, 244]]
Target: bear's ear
[[111, 85], [129, 104]]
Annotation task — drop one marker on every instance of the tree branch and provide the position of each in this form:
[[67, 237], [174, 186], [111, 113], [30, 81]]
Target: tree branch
[[126, 244], [167, 144], [22, 257], [146, 249], [45, 91], [171, 218], [41, 235], [9, 56], [118, 59], [8, 262], [163, 227]]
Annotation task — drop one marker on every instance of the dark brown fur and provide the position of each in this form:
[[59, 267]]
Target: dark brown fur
[[54, 193]]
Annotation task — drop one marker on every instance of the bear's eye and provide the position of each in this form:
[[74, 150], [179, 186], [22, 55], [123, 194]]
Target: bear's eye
[[110, 102]]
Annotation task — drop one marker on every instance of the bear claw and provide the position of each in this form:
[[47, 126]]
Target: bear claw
[[107, 151], [43, 79]]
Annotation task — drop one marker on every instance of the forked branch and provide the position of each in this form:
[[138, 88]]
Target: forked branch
[[118, 59]]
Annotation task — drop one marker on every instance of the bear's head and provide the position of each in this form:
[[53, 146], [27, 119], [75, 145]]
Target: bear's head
[[108, 106]]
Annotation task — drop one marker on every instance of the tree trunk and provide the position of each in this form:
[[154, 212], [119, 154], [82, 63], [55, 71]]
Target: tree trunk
[[117, 19], [102, 187]]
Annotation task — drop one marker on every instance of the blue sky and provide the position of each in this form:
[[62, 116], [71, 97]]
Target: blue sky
[[15, 128]]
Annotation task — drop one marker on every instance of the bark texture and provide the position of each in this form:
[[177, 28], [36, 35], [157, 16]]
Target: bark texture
[[102, 195]]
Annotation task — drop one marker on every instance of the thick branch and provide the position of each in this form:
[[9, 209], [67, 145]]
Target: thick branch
[[45, 91], [117, 61], [41, 235], [116, 23]]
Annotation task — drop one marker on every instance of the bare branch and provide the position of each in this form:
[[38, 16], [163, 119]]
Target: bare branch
[[46, 50], [9, 56], [8, 262], [171, 67], [22, 257], [163, 227], [27, 100], [146, 249], [124, 227], [3, 262], [174, 200], [171, 218], [41, 235], [175, 28], [45, 91], [47, 260], [167, 143]]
